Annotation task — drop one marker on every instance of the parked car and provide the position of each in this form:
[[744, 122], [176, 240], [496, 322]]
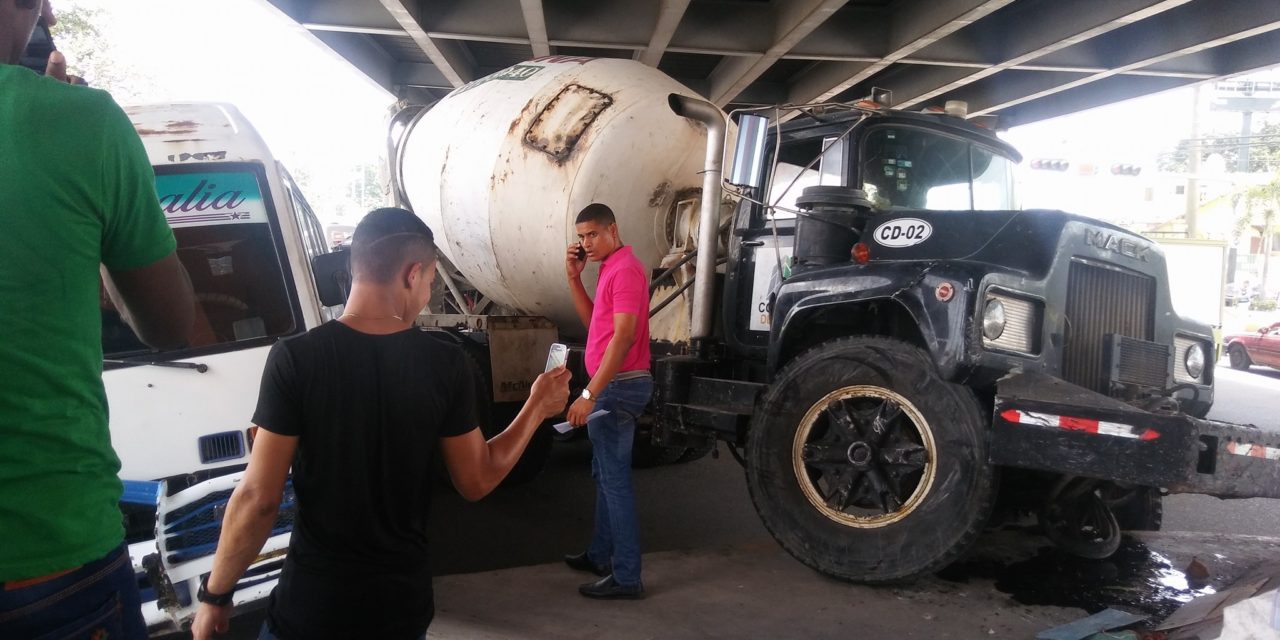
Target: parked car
[[1239, 294], [1260, 347]]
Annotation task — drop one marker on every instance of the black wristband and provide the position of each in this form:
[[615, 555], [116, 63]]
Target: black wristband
[[215, 599]]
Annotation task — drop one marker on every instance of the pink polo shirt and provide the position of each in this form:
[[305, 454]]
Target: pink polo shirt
[[623, 288]]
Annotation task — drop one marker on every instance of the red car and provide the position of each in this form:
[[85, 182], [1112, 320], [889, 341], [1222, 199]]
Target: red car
[[1261, 347]]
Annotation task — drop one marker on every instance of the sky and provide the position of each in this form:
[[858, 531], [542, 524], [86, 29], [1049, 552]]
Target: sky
[[316, 113], [323, 118]]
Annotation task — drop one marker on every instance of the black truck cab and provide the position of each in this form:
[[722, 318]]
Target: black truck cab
[[896, 334]]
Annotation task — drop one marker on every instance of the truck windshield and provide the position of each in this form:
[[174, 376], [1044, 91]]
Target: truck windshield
[[228, 244], [912, 168]]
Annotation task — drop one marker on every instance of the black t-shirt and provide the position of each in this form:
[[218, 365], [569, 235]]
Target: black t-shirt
[[368, 411]]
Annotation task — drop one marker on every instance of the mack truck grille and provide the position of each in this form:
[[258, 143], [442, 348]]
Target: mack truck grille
[[1100, 301]]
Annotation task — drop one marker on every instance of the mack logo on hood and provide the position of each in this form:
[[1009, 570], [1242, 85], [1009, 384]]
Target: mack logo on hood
[[1116, 243], [903, 232]]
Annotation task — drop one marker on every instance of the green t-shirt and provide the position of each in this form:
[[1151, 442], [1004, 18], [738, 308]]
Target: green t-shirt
[[76, 191]]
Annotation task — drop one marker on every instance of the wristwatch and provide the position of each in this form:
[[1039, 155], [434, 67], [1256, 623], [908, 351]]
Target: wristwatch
[[215, 599], [587, 395]]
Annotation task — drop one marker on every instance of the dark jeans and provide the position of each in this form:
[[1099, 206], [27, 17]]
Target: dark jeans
[[98, 600], [265, 634], [617, 530]]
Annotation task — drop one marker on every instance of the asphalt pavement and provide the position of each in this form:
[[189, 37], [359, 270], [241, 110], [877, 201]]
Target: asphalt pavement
[[702, 508], [1245, 397]]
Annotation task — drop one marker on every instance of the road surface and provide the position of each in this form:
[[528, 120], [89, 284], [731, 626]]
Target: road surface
[[704, 506]]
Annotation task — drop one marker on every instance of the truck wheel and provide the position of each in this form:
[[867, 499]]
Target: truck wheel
[[1139, 509], [866, 466], [696, 453], [494, 417], [1238, 357], [645, 453]]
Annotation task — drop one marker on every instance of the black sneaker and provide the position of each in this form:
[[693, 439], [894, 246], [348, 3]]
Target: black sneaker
[[608, 589], [581, 562]]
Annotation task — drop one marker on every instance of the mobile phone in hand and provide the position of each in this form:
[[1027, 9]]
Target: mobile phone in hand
[[582, 253], [557, 356], [36, 55]]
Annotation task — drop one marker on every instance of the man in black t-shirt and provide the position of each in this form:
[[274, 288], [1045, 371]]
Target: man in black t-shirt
[[359, 407]]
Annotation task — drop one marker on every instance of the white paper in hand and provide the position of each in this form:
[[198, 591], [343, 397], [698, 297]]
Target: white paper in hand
[[565, 427]]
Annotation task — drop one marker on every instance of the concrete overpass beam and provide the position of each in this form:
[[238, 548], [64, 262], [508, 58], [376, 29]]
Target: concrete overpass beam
[[448, 57], [669, 16], [793, 22]]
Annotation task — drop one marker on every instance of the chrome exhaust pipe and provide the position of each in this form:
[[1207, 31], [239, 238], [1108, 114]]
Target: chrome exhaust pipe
[[709, 216]]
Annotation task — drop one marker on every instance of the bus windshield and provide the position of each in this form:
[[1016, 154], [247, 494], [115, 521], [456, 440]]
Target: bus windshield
[[227, 243]]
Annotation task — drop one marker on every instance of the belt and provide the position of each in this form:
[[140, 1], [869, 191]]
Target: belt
[[14, 585], [631, 375]]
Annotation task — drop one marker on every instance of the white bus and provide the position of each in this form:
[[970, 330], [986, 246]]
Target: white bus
[[180, 419]]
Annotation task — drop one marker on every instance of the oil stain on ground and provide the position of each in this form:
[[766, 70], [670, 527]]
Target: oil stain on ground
[[1135, 578]]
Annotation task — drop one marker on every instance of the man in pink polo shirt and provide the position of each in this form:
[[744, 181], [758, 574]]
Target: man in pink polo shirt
[[618, 361]]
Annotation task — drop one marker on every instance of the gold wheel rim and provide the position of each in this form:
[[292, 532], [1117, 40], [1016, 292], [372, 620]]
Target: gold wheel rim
[[814, 494]]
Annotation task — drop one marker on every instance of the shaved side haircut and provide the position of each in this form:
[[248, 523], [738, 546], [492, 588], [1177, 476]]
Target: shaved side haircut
[[386, 241], [598, 213]]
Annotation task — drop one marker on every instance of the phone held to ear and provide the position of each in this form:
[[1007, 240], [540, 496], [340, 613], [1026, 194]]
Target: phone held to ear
[[36, 55], [582, 253], [557, 356]]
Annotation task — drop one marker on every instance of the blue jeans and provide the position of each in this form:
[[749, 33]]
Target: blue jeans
[[617, 529], [98, 600], [265, 634]]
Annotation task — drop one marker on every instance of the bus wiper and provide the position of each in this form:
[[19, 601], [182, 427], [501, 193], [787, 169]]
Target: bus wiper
[[198, 366]]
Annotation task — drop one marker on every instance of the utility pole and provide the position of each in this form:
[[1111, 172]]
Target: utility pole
[[1193, 168]]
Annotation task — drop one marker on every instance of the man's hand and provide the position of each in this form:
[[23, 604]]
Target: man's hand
[[57, 69], [573, 265], [550, 392], [210, 619], [579, 412]]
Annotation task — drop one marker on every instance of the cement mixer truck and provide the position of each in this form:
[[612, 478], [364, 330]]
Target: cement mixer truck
[[845, 297]]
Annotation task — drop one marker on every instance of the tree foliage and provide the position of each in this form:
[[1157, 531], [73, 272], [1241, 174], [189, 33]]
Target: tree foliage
[[1264, 151], [90, 54]]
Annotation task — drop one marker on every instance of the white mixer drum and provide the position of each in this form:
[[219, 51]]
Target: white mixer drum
[[500, 168]]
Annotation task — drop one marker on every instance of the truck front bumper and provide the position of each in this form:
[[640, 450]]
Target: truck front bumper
[[1047, 424]]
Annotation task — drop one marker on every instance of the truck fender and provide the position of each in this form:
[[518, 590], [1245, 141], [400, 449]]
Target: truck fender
[[908, 319]]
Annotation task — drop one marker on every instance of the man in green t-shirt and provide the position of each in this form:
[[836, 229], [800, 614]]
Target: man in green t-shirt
[[76, 192]]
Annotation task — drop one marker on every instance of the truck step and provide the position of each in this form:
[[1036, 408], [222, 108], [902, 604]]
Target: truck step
[[699, 419], [724, 395]]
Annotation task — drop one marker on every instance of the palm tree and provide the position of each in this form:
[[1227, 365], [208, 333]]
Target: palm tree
[[1262, 202]]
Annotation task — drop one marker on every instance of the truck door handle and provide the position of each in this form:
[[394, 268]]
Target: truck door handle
[[753, 243]]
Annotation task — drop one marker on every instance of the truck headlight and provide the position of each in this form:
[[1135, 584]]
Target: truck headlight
[[1194, 360], [993, 320], [1011, 323]]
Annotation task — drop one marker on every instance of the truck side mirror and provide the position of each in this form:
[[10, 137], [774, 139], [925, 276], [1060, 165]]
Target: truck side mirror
[[748, 156], [332, 272]]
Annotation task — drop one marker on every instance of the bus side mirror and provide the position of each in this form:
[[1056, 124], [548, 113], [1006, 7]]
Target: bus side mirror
[[332, 272], [748, 155]]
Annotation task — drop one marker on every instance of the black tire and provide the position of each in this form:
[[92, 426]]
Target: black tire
[[536, 453], [940, 467], [696, 453], [1238, 357], [494, 418], [1142, 510], [646, 454]]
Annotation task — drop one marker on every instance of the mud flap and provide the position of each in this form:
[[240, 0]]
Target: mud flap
[[1044, 423], [188, 525]]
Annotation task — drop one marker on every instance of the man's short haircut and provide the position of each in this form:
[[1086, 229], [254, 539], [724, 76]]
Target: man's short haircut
[[387, 240], [598, 213]]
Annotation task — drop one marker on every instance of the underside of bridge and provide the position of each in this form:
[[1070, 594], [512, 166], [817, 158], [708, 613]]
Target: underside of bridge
[[1019, 60]]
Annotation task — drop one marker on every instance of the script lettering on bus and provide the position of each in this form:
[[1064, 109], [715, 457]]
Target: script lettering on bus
[[202, 198]]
